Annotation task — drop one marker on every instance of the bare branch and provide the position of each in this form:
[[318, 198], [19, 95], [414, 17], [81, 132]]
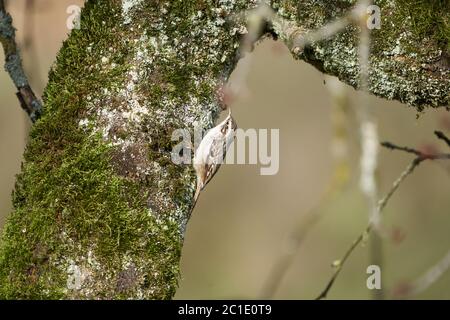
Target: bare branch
[[420, 157], [335, 187], [328, 30], [13, 65], [440, 135], [317, 46], [284, 262]]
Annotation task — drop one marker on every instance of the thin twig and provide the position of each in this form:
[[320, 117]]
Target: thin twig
[[335, 187], [381, 205], [29, 46], [440, 135], [392, 146], [418, 153], [420, 157], [13, 65], [430, 277], [298, 39], [285, 261]]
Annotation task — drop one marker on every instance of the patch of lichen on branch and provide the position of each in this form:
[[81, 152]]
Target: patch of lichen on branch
[[80, 230]]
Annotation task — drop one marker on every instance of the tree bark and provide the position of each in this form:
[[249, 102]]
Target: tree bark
[[100, 208]]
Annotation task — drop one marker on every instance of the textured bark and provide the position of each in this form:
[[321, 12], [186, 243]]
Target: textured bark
[[100, 208]]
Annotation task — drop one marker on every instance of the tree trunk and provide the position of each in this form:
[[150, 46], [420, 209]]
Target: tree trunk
[[100, 208]]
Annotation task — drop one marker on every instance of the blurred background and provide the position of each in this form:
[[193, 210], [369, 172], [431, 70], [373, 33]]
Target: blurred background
[[240, 225]]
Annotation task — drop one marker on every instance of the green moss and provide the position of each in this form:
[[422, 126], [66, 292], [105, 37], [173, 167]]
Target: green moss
[[68, 200], [98, 196]]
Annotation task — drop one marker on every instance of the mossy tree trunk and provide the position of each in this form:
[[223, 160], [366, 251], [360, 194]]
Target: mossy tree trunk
[[100, 208]]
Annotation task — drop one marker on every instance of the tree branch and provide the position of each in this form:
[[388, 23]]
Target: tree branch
[[369, 137], [420, 157], [335, 187], [339, 264], [440, 135], [13, 65], [421, 284], [100, 209]]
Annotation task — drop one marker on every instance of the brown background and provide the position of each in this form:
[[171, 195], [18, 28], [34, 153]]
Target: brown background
[[240, 224]]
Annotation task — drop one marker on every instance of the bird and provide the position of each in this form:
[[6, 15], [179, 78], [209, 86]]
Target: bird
[[211, 152]]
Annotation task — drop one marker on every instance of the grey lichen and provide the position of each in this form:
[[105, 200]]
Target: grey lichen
[[13, 63], [13, 66], [100, 209]]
